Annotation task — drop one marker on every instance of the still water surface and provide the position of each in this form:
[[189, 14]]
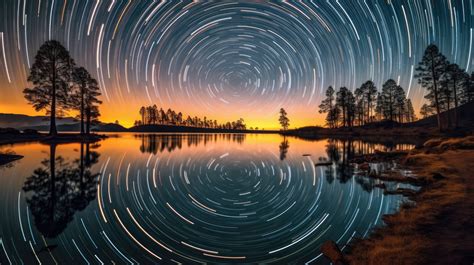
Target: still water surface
[[190, 198]]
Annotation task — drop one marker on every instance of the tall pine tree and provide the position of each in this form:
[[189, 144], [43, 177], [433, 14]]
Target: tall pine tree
[[50, 74], [429, 73]]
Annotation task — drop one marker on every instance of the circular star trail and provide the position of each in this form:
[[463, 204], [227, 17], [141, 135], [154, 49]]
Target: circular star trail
[[235, 58], [189, 199]]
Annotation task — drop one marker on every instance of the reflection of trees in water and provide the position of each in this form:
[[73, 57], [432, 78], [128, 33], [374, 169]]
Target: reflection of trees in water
[[158, 143], [341, 151], [284, 148], [60, 188]]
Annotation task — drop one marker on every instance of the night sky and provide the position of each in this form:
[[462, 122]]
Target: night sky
[[230, 60]]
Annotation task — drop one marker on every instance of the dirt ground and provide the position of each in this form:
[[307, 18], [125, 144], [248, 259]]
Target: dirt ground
[[437, 226]]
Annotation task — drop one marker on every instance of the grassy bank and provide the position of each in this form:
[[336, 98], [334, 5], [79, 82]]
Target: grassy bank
[[436, 226]]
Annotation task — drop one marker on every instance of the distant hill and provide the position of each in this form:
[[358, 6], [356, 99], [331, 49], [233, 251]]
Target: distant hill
[[75, 127], [20, 121], [41, 123]]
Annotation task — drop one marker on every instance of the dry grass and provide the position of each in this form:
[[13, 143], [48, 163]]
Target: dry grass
[[439, 228]]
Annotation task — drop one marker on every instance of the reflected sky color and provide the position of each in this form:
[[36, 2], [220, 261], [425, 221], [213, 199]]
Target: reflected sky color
[[186, 198]]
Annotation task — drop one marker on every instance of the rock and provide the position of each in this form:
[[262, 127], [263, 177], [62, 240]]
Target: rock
[[372, 173], [332, 252], [380, 185], [438, 176], [401, 191], [364, 166]]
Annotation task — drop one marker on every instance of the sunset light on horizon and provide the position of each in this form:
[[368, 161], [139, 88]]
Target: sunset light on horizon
[[231, 60]]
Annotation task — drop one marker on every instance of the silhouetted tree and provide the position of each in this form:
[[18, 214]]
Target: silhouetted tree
[[429, 73], [345, 102], [284, 121], [389, 94], [400, 99], [467, 88], [379, 107], [328, 106], [359, 108], [50, 74], [369, 92], [92, 103], [409, 111], [455, 78], [426, 110], [80, 77], [142, 114]]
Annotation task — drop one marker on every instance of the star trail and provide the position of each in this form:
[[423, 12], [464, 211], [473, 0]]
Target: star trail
[[232, 59], [188, 199]]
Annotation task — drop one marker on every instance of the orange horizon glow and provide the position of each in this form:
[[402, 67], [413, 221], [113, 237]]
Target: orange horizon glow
[[127, 114], [12, 101]]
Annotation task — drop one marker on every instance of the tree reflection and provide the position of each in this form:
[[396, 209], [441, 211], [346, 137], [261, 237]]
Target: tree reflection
[[158, 143], [284, 148], [341, 151], [60, 188]]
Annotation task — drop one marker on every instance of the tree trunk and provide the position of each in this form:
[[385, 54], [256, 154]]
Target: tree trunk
[[52, 125], [435, 91], [88, 122], [82, 107], [455, 104]]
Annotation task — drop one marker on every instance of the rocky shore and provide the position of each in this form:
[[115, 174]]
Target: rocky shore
[[435, 226]]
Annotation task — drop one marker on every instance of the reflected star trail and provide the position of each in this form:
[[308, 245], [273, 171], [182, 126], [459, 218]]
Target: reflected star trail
[[232, 59], [187, 199]]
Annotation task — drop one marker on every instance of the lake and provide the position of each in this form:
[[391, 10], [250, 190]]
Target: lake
[[190, 198]]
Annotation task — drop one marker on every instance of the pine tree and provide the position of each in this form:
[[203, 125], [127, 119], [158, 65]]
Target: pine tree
[[327, 106], [430, 71], [400, 99], [389, 90], [426, 110], [379, 108], [284, 121], [370, 92], [359, 109], [410, 111], [50, 74], [345, 102], [80, 77], [467, 92], [92, 103]]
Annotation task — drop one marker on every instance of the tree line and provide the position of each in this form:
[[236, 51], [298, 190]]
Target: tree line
[[151, 115], [447, 85], [60, 86], [345, 108]]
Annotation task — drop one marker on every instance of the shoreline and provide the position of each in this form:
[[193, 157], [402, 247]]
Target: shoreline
[[435, 225], [8, 139]]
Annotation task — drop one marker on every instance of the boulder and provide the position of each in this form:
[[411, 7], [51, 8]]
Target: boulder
[[333, 253], [380, 185], [438, 176], [364, 166]]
